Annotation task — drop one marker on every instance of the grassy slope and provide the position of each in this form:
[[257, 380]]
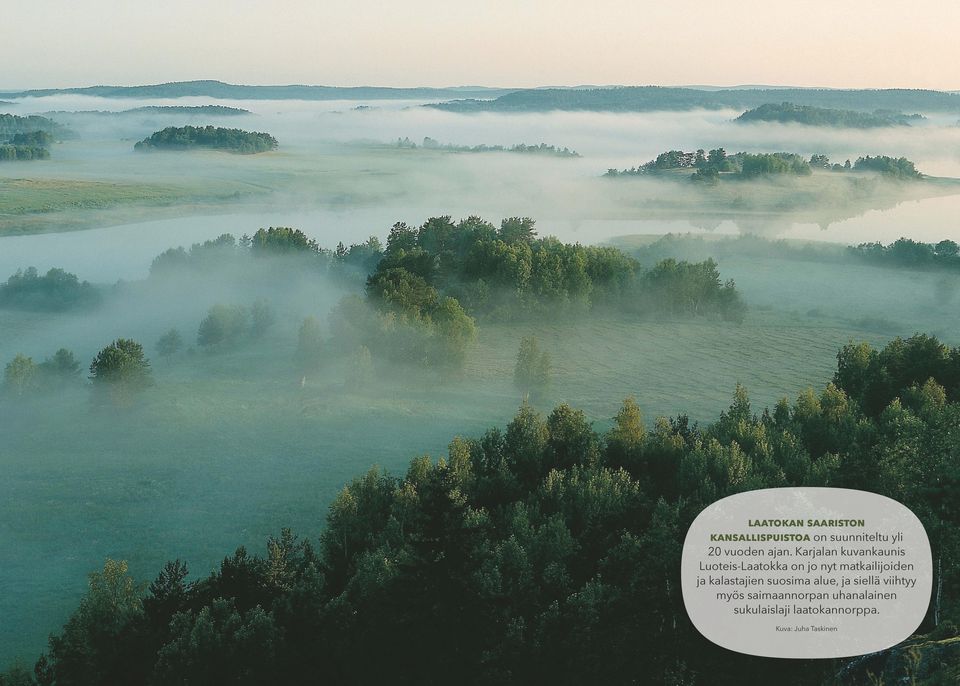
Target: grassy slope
[[71, 191]]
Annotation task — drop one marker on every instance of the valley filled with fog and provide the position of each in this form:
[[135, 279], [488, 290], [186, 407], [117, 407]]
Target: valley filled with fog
[[236, 439]]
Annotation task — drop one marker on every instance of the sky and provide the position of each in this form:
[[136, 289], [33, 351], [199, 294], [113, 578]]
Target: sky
[[508, 43]]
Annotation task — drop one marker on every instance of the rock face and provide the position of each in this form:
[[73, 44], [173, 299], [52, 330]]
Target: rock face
[[919, 662]]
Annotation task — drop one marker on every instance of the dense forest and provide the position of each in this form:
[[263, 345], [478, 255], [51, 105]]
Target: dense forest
[[691, 246], [12, 124], [32, 145], [709, 166], [537, 149], [26, 138], [9, 152], [896, 167], [22, 376], [215, 138], [905, 252], [653, 98], [541, 553], [424, 293], [415, 302], [503, 272], [41, 139], [508, 272], [788, 112], [57, 290]]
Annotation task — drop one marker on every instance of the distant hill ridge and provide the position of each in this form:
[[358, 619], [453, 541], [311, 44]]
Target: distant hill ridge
[[652, 98], [200, 110], [219, 89], [592, 98]]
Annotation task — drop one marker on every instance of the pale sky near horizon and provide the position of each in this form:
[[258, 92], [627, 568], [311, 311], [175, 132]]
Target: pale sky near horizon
[[831, 43]]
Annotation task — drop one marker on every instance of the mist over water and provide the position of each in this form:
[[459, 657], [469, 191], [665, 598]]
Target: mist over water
[[230, 447], [133, 246], [330, 179]]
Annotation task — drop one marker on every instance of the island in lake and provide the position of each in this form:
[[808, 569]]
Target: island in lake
[[709, 166], [209, 137]]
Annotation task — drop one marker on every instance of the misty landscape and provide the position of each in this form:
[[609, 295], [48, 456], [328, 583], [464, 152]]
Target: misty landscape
[[443, 375]]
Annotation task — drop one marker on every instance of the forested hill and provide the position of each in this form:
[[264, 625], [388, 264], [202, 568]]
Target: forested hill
[[651, 98], [219, 89], [11, 124], [788, 112]]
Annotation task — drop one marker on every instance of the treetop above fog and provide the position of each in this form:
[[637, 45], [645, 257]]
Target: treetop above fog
[[821, 116], [56, 290], [210, 137], [710, 166]]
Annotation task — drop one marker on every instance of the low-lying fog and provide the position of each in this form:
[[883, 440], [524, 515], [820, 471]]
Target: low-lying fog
[[228, 447], [125, 251], [613, 139], [328, 168]]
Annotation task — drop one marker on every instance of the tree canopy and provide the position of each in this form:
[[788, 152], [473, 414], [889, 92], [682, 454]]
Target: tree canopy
[[215, 138], [508, 272], [788, 112], [120, 371], [710, 165], [57, 290], [906, 252], [896, 167]]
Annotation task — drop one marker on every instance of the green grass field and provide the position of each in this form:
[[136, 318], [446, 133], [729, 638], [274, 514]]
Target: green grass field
[[25, 196], [76, 189], [40, 205]]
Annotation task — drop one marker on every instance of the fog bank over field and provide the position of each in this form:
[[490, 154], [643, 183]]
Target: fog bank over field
[[338, 175], [619, 137], [133, 246], [238, 438]]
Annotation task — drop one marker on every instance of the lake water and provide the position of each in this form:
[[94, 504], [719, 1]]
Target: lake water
[[126, 251]]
